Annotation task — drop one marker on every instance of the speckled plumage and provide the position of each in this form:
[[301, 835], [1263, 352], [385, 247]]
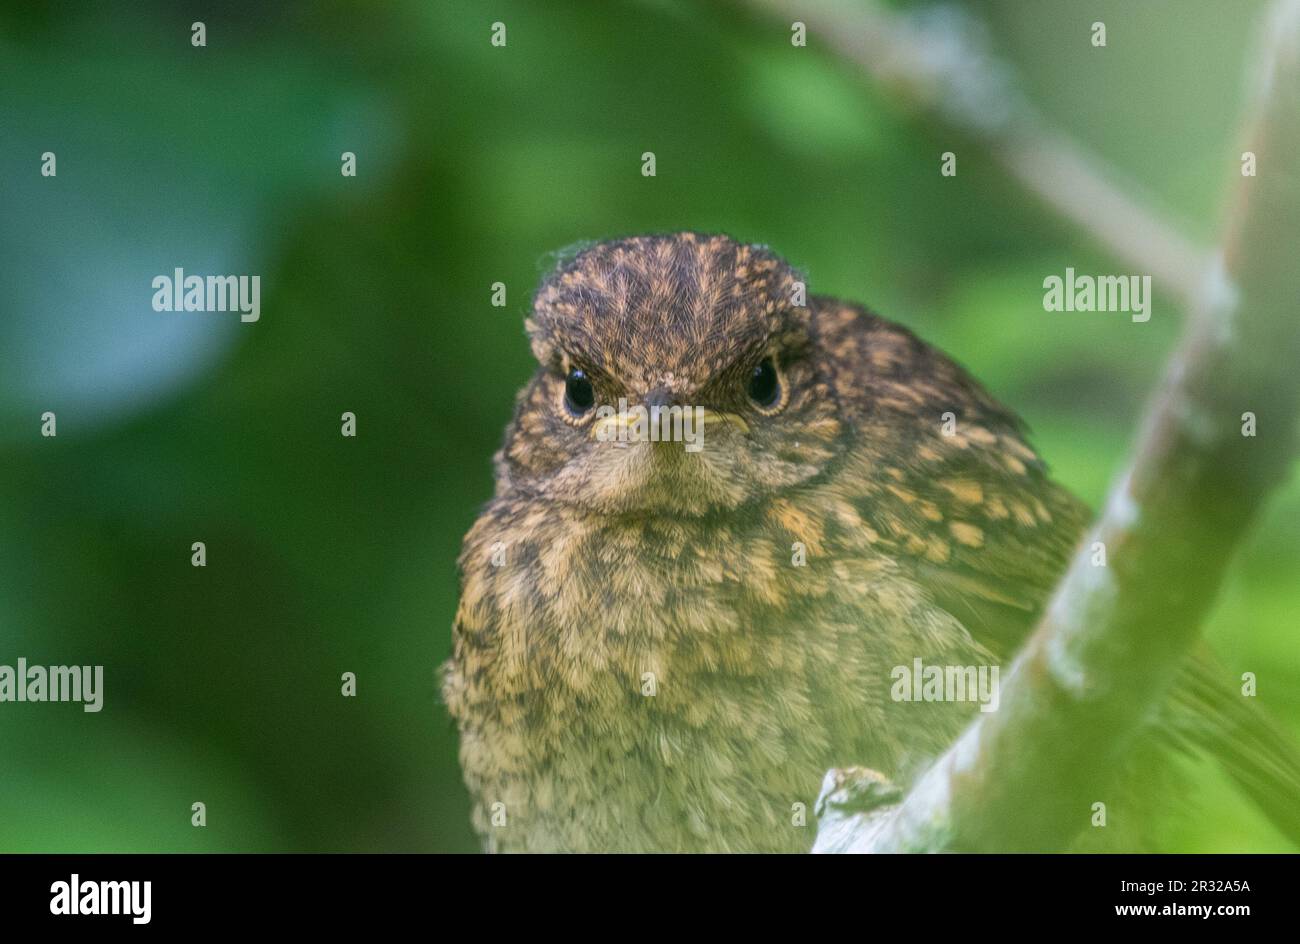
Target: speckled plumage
[[599, 570]]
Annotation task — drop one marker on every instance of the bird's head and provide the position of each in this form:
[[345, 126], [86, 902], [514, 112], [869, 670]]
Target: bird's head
[[677, 375]]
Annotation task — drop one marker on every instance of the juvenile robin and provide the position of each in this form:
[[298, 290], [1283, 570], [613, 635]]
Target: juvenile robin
[[663, 649]]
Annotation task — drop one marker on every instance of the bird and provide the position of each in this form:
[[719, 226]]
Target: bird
[[659, 649]]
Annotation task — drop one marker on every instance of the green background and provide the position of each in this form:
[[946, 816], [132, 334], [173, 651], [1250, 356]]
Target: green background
[[327, 554]]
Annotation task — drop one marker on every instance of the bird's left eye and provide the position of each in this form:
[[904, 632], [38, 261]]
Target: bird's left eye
[[579, 396], [764, 385]]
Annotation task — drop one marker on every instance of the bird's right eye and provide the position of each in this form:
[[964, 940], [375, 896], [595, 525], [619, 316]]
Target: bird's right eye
[[579, 397]]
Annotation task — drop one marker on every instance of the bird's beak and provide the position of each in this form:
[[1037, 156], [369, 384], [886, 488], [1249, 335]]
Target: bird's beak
[[731, 419], [606, 428]]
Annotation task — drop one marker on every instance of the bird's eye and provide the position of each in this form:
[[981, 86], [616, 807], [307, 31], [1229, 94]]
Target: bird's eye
[[579, 397], [764, 385]]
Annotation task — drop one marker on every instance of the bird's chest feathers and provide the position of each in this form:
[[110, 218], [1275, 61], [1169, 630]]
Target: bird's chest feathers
[[561, 607], [690, 659], [614, 602]]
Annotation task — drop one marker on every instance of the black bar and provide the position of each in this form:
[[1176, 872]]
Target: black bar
[[332, 892]]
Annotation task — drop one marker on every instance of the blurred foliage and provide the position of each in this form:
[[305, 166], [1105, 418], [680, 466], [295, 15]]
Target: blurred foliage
[[329, 554]]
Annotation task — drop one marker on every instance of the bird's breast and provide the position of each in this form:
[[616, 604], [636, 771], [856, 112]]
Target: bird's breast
[[686, 683]]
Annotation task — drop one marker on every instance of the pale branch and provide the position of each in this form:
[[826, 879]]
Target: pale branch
[[937, 62], [1105, 652]]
